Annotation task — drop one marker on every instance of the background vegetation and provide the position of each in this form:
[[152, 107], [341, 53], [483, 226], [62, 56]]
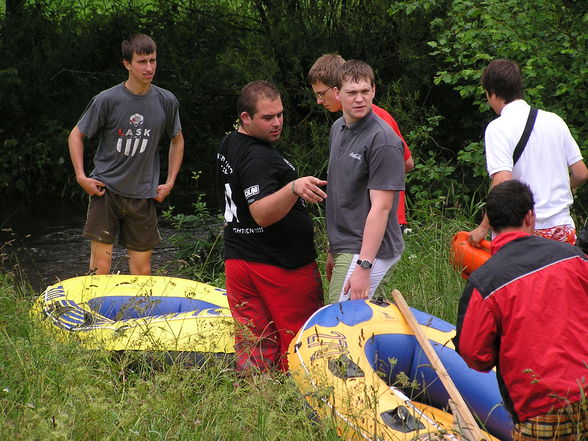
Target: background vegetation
[[56, 391], [428, 55]]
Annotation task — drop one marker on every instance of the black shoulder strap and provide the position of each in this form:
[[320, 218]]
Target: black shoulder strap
[[518, 151]]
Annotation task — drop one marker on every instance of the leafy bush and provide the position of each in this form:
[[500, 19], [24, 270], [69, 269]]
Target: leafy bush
[[470, 33], [427, 54], [198, 240]]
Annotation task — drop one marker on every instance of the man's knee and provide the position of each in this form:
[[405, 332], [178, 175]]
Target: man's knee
[[100, 258], [99, 267], [140, 270], [140, 262]]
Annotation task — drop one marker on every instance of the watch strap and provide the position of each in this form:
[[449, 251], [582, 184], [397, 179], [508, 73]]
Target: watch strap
[[365, 264]]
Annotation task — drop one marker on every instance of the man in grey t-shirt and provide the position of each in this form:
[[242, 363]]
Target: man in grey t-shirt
[[365, 174], [129, 119]]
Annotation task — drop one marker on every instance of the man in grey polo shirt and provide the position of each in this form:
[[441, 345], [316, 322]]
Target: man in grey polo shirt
[[365, 173]]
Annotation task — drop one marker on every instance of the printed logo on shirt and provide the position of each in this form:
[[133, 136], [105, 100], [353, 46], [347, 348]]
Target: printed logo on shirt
[[257, 230], [251, 191], [288, 163], [356, 156], [136, 119], [224, 165], [133, 140]]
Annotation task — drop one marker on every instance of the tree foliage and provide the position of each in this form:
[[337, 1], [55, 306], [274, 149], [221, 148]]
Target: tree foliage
[[427, 55], [547, 38], [57, 54]]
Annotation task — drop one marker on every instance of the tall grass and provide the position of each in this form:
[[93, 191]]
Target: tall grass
[[57, 391], [424, 274]]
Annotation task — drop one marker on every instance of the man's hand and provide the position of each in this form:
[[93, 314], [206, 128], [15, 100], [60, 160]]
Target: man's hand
[[477, 235], [92, 186], [308, 189], [163, 191], [358, 284], [329, 266]]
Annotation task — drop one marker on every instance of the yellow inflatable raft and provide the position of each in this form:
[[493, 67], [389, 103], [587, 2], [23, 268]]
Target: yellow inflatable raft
[[359, 362], [138, 313]]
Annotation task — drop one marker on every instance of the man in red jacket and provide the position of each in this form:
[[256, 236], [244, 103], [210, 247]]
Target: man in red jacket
[[524, 311]]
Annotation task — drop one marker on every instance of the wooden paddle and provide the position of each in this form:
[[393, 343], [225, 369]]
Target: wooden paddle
[[467, 424]]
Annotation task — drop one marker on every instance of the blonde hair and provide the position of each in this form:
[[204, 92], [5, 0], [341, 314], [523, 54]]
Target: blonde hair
[[325, 69]]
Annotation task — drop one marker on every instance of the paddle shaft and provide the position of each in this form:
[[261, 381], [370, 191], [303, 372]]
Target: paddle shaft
[[459, 403]]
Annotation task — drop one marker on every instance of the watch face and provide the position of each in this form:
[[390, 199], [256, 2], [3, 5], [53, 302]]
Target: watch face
[[364, 264]]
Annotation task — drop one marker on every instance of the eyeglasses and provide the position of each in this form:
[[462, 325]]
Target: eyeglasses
[[321, 94]]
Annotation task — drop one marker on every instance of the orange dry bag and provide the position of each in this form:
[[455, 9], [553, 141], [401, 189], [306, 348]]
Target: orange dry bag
[[465, 257]]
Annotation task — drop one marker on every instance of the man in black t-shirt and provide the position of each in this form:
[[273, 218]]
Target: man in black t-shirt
[[272, 279]]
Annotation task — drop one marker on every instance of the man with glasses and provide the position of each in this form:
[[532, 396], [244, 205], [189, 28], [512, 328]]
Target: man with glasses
[[322, 78], [365, 174]]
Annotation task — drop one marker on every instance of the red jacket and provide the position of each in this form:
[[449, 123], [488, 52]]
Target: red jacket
[[401, 212], [525, 311]]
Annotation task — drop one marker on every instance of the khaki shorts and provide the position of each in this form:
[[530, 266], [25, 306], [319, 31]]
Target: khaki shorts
[[135, 221], [345, 263]]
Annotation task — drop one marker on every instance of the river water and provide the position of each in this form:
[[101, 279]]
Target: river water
[[41, 243]]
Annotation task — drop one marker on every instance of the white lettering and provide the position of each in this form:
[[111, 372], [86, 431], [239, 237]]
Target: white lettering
[[224, 164], [230, 206], [251, 191], [248, 230], [288, 163]]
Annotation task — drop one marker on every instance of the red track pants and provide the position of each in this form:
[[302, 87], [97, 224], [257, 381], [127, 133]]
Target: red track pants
[[269, 304]]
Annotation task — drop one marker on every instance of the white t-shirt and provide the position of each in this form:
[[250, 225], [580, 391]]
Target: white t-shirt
[[544, 164]]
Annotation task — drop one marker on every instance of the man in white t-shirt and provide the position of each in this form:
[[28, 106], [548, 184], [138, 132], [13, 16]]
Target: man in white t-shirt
[[551, 162]]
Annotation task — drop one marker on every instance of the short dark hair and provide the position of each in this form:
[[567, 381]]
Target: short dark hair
[[503, 78], [140, 44], [508, 203], [355, 70], [252, 93], [325, 70]]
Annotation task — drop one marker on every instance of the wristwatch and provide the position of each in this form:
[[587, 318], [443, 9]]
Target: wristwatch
[[365, 264]]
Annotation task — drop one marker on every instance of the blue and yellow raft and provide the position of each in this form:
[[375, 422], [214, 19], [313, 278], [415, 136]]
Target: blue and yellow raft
[[138, 313], [359, 362]]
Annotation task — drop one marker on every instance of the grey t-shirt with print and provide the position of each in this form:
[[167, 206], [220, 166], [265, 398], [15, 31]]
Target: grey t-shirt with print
[[130, 127], [362, 156]]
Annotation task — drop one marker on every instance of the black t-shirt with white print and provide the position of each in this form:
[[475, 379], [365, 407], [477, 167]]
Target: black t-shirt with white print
[[249, 170]]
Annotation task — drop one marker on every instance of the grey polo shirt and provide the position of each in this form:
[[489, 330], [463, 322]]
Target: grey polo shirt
[[363, 156]]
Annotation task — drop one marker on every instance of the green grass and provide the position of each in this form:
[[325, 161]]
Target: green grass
[[57, 391], [424, 274]]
